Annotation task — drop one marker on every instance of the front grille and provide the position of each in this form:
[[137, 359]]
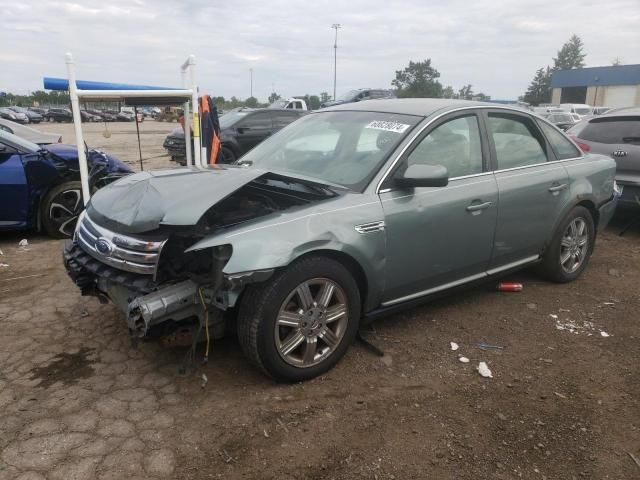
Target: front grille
[[116, 250]]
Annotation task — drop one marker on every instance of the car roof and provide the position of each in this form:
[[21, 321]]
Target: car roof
[[622, 112], [423, 107]]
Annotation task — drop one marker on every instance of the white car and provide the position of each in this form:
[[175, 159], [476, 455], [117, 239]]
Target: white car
[[28, 133], [580, 109]]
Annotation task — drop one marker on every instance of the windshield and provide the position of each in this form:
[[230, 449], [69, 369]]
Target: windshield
[[21, 143], [345, 148], [349, 95], [229, 119]]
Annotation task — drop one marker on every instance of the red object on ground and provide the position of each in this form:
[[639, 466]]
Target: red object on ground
[[509, 287]]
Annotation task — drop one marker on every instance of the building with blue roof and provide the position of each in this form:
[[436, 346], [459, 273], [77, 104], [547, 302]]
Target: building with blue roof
[[614, 86]]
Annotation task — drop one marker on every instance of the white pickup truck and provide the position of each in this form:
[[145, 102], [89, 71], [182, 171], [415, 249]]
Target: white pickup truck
[[291, 103]]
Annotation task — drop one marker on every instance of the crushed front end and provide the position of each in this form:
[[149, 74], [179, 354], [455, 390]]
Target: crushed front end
[[158, 288]]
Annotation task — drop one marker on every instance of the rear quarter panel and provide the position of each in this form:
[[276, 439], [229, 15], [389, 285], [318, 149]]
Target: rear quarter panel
[[591, 180]]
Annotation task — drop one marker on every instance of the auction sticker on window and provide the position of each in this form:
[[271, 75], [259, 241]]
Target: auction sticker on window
[[388, 126]]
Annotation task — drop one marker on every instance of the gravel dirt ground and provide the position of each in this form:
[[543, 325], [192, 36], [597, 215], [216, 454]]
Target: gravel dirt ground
[[77, 401]]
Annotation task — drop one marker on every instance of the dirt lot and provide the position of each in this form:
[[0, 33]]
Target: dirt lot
[[77, 401]]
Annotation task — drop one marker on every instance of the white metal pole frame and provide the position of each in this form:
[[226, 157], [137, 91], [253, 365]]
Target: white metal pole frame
[[187, 122], [77, 124], [190, 65]]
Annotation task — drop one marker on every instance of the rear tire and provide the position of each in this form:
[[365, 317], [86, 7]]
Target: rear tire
[[289, 342], [571, 247]]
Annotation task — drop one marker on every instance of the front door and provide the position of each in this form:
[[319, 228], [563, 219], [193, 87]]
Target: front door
[[14, 206], [253, 129], [533, 188], [438, 237]]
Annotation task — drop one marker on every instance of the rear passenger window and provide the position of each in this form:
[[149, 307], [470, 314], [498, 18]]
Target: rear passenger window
[[517, 140], [562, 147]]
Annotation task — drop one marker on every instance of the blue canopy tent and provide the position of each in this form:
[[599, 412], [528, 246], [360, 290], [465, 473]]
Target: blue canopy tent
[[132, 95]]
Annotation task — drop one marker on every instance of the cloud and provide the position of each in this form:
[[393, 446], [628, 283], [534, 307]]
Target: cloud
[[495, 45]]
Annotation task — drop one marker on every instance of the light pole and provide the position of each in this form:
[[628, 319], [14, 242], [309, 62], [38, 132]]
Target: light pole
[[335, 26], [251, 75]]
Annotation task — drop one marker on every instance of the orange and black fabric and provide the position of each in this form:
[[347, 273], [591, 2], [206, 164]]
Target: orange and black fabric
[[210, 129]]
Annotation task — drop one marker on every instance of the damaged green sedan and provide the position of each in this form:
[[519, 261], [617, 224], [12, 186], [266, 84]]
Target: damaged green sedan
[[347, 214]]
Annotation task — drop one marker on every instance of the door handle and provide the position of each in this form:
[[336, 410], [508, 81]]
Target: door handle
[[476, 207], [556, 189]]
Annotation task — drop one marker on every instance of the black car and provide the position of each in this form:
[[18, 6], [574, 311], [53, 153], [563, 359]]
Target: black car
[[360, 95], [241, 130], [104, 116], [33, 117], [59, 115], [38, 110]]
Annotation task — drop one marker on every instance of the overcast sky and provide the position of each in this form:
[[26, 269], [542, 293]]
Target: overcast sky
[[495, 45]]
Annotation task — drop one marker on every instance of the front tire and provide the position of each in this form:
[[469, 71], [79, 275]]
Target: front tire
[[571, 247], [60, 209], [300, 323]]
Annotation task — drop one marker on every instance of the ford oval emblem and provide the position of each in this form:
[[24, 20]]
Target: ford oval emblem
[[104, 246]]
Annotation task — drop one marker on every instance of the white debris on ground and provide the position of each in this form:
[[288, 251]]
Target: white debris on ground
[[484, 371], [23, 243], [3, 264], [604, 334], [454, 346], [463, 359], [553, 315], [576, 327]]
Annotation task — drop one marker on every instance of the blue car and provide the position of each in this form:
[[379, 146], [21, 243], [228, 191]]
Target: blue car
[[40, 186]]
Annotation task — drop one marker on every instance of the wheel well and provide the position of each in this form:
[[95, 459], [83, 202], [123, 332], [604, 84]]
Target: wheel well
[[589, 205], [348, 262]]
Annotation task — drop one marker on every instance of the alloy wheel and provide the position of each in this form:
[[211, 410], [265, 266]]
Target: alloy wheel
[[574, 245], [64, 210], [311, 322]]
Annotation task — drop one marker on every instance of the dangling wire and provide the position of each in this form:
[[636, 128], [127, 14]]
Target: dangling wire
[[206, 325]]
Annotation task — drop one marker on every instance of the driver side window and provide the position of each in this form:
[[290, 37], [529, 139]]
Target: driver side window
[[455, 145]]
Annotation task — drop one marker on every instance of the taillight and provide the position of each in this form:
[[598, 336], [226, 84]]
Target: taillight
[[583, 146]]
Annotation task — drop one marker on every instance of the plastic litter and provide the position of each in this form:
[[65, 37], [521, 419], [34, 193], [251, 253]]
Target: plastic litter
[[509, 287], [205, 380], [454, 346], [23, 243], [554, 316], [604, 334], [484, 371], [4, 264], [486, 346], [463, 359]]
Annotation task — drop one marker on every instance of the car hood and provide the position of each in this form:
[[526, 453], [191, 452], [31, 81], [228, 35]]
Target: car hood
[[69, 154], [146, 201]]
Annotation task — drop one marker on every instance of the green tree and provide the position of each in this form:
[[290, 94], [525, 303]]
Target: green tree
[[539, 90], [314, 102], [274, 97], [447, 92], [481, 97], [466, 92], [570, 55], [251, 102], [324, 97], [419, 79]]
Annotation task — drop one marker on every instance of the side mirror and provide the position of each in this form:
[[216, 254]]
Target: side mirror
[[423, 176], [3, 148]]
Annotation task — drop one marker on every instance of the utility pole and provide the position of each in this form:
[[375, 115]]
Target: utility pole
[[335, 26], [251, 74]]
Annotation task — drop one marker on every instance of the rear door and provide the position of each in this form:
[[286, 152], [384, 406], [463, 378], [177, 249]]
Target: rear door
[[532, 187], [438, 237], [283, 118]]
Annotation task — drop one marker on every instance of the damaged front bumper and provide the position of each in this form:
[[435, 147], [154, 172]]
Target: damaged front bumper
[[156, 309]]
